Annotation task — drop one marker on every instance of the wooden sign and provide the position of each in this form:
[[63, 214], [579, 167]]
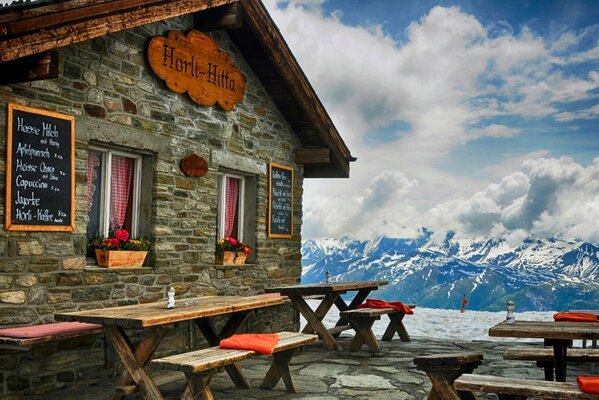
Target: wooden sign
[[194, 165], [194, 64], [40, 165], [280, 201]]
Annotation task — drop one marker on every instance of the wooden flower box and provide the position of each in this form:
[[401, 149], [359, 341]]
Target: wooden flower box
[[120, 258], [229, 258]]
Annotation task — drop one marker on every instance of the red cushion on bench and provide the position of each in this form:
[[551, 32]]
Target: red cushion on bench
[[574, 317], [397, 305], [588, 384], [263, 343], [47, 329]]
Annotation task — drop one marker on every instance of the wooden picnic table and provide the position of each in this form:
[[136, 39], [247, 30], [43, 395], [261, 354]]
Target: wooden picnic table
[[154, 317], [331, 293], [557, 334]]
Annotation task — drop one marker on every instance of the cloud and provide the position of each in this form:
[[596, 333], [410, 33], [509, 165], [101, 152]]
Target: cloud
[[451, 81], [383, 205], [548, 197]]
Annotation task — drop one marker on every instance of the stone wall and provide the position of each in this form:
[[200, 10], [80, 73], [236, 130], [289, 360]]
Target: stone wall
[[107, 85]]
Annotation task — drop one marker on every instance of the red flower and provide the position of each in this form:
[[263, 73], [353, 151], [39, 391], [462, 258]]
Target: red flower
[[247, 250], [122, 235], [232, 240]]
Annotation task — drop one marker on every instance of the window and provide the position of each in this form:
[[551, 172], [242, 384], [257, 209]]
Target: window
[[231, 206], [236, 214], [113, 191]]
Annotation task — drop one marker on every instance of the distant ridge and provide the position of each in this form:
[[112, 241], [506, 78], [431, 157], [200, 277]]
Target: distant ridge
[[537, 274]]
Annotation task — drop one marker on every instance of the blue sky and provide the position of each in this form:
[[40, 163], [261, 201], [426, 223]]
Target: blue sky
[[480, 117]]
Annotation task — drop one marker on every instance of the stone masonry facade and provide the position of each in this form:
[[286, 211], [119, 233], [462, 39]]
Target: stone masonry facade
[[108, 86]]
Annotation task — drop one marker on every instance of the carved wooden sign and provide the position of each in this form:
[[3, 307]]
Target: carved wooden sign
[[194, 64]]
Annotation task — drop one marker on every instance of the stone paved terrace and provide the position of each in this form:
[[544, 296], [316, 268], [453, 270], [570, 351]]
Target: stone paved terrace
[[329, 375]]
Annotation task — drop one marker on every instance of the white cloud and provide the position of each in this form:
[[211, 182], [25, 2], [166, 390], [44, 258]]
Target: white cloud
[[549, 197], [448, 74]]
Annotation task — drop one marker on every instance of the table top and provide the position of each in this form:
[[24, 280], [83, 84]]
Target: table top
[[324, 288], [547, 330], [152, 314]]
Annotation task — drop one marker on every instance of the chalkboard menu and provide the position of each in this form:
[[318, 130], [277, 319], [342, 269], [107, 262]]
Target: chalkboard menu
[[40, 179], [280, 201]]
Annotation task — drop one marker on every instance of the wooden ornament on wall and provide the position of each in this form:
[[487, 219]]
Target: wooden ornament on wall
[[194, 165], [193, 63]]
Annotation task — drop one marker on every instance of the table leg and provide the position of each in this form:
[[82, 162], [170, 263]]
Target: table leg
[[314, 319], [356, 301], [396, 325], [560, 351], [231, 326], [135, 362]]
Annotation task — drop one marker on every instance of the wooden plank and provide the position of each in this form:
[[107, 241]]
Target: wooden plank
[[530, 353], [547, 330], [48, 39], [448, 359], [213, 357], [152, 314], [521, 387], [225, 17], [47, 338], [32, 68], [311, 156], [372, 312], [323, 288], [49, 16]]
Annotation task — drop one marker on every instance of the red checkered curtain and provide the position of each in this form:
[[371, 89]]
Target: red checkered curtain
[[93, 162], [231, 204], [120, 189]]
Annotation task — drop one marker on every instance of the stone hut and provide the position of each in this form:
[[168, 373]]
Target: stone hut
[[180, 156]]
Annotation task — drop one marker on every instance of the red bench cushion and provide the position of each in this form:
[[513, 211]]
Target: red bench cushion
[[47, 329]]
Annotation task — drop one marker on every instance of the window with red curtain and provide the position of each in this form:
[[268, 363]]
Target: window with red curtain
[[231, 206], [120, 190], [110, 191]]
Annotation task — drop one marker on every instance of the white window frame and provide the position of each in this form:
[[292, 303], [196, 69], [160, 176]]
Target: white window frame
[[107, 154], [221, 204]]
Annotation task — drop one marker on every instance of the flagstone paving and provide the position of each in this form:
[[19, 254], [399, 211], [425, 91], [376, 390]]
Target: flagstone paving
[[341, 375]]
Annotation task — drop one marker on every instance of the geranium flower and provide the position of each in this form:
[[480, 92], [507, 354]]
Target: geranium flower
[[122, 235], [232, 240]]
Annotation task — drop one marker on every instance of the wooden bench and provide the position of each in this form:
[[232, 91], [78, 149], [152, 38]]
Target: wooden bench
[[199, 366], [544, 356], [444, 369], [23, 338], [362, 319], [512, 389]]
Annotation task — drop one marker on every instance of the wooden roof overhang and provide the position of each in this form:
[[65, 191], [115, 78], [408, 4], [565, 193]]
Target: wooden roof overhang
[[32, 31]]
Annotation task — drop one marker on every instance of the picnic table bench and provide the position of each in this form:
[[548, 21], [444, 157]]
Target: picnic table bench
[[511, 388], [22, 338], [362, 319], [199, 366], [452, 379], [545, 358]]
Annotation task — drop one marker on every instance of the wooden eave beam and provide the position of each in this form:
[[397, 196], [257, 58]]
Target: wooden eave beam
[[31, 68], [52, 38], [312, 156], [225, 17], [258, 20]]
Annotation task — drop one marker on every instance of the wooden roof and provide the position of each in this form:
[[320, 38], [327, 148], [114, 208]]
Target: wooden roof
[[34, 28]]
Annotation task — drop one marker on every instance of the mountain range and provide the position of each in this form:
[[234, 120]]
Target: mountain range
[[537, 274]]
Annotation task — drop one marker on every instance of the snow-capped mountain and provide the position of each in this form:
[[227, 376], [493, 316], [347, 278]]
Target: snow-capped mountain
[[537, 274]]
